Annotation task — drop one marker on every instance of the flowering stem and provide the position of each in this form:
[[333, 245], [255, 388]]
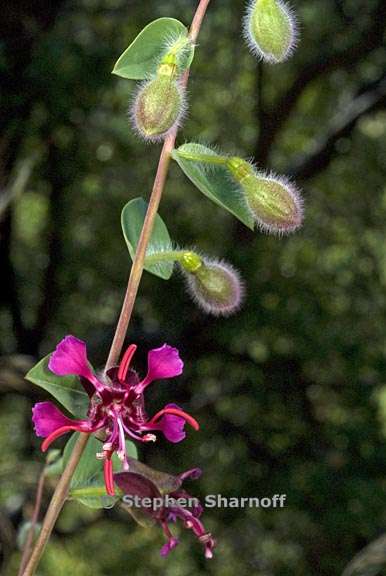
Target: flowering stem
[[58, 499], [61, 491], [155, 198], [34, 519]]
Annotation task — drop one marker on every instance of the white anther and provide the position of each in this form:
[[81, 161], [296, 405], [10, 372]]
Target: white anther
[[150, 437]]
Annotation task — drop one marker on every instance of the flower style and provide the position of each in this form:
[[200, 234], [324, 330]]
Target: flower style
[[144, 483], [116, 402]]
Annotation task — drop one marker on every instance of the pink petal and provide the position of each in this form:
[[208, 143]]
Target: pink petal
[[163, 362], [174, 410], [191, 474], [172, 426], [47, 418], [70, 359], [169, 546]]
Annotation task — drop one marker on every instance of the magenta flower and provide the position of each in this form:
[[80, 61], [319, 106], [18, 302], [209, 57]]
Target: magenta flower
[[116, 402], [144, 483]]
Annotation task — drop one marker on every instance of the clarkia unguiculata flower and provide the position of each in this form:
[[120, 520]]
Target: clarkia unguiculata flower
[[117, 404], [145, 483]]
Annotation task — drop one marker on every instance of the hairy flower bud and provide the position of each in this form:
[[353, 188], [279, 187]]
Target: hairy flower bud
[[159, 105], [215, 286], [274, 202], [270, 29]]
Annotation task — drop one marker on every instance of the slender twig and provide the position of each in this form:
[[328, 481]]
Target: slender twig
[[155, 198], [58, 499], [138, 263], [18, 183], [35, 515], [61, 492]]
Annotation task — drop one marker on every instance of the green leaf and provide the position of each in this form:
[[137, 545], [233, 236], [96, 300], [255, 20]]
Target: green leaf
[[214, 181], [66, 389], [141, 58], [133, 216], [87, 484]]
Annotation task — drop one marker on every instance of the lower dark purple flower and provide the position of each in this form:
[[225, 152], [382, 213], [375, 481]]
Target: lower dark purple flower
[[143, 483]]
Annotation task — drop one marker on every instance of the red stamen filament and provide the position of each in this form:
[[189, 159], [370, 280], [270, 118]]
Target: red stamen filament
[[125, 362], [55, 434], [108, 476], [177, 412]]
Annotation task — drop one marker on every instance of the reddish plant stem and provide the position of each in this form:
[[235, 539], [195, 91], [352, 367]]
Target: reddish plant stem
[[155, 198], [35, 515], [57, 501], [61, 491]]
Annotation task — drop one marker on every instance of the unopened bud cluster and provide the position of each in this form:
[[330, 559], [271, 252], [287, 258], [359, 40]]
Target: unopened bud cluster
[[270, 30], [160, 102]]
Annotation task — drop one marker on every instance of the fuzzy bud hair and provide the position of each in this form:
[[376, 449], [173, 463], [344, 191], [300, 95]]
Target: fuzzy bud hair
[[271, 30], [274, 202], [216, 287], [158, 107]]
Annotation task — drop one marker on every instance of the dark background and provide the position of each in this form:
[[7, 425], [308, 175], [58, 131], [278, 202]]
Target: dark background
[[291, 392]]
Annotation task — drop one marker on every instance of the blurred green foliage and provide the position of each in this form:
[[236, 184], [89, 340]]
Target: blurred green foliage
[[291, 392]]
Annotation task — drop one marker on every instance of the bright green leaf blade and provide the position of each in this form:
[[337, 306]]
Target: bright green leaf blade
[[87, 484], [141, 58], [88, 474], [133, 216], [66, 389], [214, 181]]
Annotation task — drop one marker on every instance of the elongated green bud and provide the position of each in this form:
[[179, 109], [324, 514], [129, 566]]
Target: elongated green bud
[[214, 285], [273, 201], [270, 30], [159, 104]]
